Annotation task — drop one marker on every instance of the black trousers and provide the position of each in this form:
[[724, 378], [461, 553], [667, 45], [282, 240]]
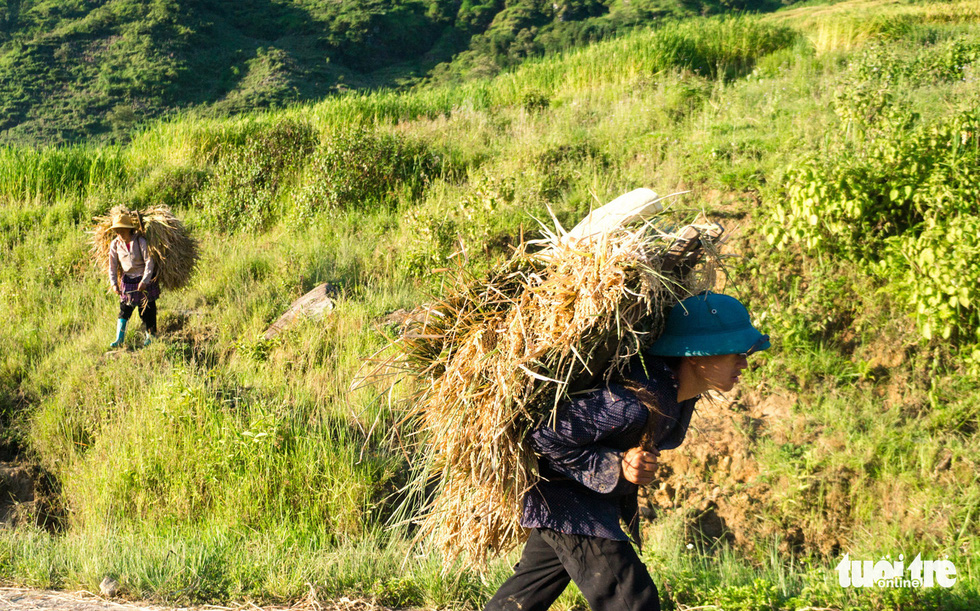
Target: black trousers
[[147, 312], [609, 573]]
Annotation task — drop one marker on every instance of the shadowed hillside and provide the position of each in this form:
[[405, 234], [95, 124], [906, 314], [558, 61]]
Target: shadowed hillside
[[93, 69]]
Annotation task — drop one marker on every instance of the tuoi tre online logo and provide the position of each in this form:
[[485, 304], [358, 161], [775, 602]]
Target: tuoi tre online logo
[[919, 574]]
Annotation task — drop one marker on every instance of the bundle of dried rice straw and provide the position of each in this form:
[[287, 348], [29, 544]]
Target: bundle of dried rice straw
[[496, 356], [171, 244]]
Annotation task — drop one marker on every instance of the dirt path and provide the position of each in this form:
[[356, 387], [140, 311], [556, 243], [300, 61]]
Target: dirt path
[[25, 599], [22, 598]]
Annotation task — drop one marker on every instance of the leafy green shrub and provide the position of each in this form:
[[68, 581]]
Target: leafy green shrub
[[759, 596], [901, 200], [400, 591], [873, 90], [929, 64], [534, 101], [685, 96], [898, 195], [937, 269], [247, 179], [357, 168], [433, 239], [476, 225]]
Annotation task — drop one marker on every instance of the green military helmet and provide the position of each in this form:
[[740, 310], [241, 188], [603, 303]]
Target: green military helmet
[[708, 324]]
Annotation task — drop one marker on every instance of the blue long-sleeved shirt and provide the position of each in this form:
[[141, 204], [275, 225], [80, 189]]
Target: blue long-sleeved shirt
[[581, 489]]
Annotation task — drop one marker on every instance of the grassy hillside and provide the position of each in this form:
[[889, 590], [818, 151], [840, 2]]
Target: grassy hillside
[[91, 70], [839, 145]]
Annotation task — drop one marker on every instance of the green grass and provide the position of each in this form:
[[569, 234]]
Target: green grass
[[76, 72], [57, 172], [217, 466]]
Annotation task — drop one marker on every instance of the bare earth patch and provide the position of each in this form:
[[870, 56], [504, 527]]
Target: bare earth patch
[[25, 599], [714, 478]]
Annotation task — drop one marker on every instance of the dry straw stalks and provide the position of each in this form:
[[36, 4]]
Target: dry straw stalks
[[496, 356], [171, 244]]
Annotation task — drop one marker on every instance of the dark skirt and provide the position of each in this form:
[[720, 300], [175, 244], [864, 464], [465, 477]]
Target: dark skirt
[[133, 296]]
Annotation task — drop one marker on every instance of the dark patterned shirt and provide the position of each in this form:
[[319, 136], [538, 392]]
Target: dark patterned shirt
[[581, 490]]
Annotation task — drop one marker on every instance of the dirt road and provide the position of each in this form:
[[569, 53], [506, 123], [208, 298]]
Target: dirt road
[[24, 599]]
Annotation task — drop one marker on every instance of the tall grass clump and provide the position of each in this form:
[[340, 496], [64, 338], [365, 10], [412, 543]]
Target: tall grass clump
[[18, 218], [189, 450], [179, 142], [846, 26], [715, 48], [359, 168], [385, 107], [170, 187], [243, 191], [718, 48], [48, 174]]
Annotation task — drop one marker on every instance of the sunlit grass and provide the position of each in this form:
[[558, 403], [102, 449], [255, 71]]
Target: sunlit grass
[[216, 465], [843, 26]]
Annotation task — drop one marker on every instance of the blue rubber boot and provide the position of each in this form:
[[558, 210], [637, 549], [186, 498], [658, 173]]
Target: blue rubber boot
[[120, 333], [148, 340]]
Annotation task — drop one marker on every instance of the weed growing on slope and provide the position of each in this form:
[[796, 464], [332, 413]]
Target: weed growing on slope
[[243, 192], [358, 168]]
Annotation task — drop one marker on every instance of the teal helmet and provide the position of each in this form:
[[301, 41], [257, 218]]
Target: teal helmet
[[708, 324]]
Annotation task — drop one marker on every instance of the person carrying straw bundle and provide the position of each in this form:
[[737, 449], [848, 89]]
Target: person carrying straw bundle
[[527, 388], [132, 276], [603, 445], [142, 252]]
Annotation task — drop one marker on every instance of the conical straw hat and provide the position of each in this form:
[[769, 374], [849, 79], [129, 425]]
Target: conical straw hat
[[123, 220]]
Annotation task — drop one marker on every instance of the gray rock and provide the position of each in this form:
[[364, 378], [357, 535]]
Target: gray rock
[[316, 304], [109, 587]]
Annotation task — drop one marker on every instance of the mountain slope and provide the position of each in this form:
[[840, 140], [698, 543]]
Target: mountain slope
[[92, 69]]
